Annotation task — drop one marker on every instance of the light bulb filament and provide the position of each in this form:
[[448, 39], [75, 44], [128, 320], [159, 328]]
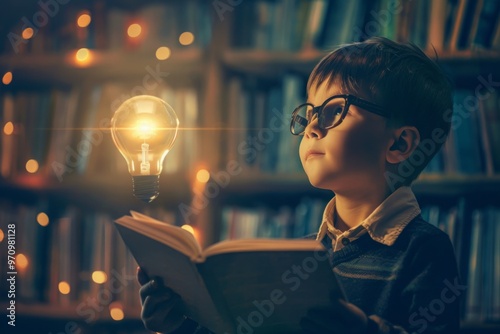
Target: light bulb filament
[[145, 130], [145, 166]]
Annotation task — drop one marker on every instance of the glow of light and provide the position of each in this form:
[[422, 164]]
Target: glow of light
[[99, 277], [162, 53], [82, 55], [1, 235], [42, 219], [116, 311], [7, 78], [27, 33], [84, 20], [64, 287], [21, 261], [32, 166], [203, 176], [188, 228], [8, 128], [145, 130], [134, 30], [186, 38]]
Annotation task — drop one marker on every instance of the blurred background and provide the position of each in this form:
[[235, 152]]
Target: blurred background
[[233, 71]]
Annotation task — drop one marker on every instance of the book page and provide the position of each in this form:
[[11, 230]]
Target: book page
[[176, 237], [242, 245]]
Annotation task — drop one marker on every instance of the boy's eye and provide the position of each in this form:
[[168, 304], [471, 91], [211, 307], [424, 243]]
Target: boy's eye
[[332, 112]]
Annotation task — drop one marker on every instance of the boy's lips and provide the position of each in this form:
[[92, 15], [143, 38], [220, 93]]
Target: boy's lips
[[312, 154]]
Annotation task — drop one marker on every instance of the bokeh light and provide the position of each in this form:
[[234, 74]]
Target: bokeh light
[[188, 228], [134, 30], [186, 38], [203, 176], [21, 261], [64, 287], [7, 78], [116, 311], [32, 166], [8, 128], [163, 53], [42, 219], [28, 33], [84, 19], [99, 277]]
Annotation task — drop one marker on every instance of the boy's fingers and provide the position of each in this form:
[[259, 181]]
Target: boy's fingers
[[142, 278], [349, 313], [154, 287]]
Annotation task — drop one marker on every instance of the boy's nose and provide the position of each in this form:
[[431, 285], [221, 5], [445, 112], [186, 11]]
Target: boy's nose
[[313, 130]]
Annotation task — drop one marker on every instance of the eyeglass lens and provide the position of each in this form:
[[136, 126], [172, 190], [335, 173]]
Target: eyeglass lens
[[329, 116]]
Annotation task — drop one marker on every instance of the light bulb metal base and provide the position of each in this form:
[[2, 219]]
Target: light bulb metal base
[[146, 187]]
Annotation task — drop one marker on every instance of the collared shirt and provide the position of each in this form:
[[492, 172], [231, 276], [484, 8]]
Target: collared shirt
[[383, 225]]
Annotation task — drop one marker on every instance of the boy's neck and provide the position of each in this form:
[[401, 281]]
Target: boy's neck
[[350, 211]]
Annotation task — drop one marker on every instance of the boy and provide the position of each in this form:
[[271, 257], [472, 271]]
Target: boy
[[377, 112]]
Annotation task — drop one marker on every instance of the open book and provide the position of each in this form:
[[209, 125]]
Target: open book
[[236, 286]]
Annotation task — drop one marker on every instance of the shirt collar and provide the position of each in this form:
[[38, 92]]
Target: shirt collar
[[384, 224]]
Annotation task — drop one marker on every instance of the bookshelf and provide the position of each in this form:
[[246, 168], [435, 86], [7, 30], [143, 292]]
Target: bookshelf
[[238, 68]]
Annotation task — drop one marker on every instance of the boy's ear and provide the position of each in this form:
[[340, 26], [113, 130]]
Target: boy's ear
[[403, 142]]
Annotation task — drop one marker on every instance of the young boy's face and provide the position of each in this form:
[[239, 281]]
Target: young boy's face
[[348, 157]]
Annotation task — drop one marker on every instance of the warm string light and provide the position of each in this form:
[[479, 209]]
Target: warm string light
[[188, 228], [27, 33], [202, 176], [84, 19], [32, 166], [186, 38], [21, 261], [1, 235], [42, 219], [134, 30], [99, 277], [64, 287], [8, 128], [116, 311], [7, 78], [163, 53]]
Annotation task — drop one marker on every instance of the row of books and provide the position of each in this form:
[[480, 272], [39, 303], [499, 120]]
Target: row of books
[[67, 131], [259, 116], [77, 258], [475, 237], [262, 141], [161, 24], [294, 24], [473, 146], [264, 222]]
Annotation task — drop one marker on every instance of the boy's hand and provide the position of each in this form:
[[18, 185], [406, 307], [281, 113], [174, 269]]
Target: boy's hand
[[161, 306], [339, 318]]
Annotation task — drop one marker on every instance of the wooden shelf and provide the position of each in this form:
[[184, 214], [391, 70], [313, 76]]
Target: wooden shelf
[[264, 63], [112, 194], [272, 64], [185, 64], [270, 185], [69, 311]]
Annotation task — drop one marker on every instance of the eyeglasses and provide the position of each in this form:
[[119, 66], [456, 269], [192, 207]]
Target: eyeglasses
[[331, 113]]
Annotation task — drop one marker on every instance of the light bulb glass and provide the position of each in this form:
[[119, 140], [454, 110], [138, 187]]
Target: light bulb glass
[[144, 129]]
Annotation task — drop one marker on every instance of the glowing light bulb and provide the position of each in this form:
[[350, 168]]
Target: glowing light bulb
[[144, 129]]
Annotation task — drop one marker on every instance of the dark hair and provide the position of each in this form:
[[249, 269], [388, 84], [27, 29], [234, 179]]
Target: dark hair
[[402, 79]]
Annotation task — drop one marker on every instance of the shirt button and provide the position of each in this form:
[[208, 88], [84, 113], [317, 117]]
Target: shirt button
[[345, 241]]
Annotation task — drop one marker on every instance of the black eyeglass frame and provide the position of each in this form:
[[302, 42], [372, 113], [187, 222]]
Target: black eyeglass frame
[[349, 100]]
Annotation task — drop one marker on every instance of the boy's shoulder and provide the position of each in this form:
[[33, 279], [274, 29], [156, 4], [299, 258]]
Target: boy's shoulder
[[421, 234]]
